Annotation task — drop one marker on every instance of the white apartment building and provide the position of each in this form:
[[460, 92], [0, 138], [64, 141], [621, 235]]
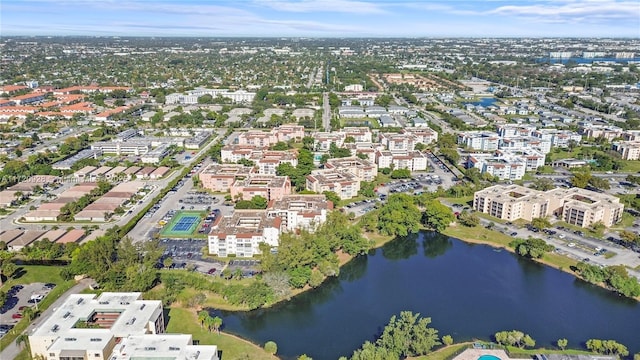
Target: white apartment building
[[122, 148], [268, 161], [87, 326], [191, 97], [220, 177], [483, 141], [241, 233], [323, 140], [363, 170], [165, 346], [504, 168], [423, 135], [343, 183], [156, 155], [305, 212], [398, 143], [360, 134], [628, 150], [575, 206], [411, 160]]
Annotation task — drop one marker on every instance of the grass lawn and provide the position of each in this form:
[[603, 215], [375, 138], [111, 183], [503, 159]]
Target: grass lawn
[[444, 353], [464, 200], [478, 234], [31, 274], [23, 355], [632, 166], [184, 321]]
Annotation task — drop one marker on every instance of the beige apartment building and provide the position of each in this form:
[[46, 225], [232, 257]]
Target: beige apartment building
[[575, 206]]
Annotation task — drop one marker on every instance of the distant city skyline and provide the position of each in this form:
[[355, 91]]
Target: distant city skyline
[[323, 18]]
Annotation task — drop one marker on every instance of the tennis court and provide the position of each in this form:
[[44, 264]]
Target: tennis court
[[182, 224]]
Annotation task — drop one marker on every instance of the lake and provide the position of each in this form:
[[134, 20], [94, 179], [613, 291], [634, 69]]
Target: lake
[[484, 102], [469, 291]]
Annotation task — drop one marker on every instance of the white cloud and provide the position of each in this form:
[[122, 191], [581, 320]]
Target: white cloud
[[338, 6], [573, 11]]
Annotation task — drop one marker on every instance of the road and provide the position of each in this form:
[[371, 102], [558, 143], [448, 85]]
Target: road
[[326, 112], [12, 351]]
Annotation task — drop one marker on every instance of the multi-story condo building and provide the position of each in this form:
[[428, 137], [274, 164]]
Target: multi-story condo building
[[525, 142], [398, 143], [87, 326], [267, 162], [220, 177], [576, 206], [191, 97], [323, 140], [234, 153], [343, 183], [122, 148], [411, 160], [268, 186], [359, 134], [504, 168], [163, 346], [484, 141], [423, 135], [628, 150], [305, 212], [257, 138], [364, 170], [241, 233]]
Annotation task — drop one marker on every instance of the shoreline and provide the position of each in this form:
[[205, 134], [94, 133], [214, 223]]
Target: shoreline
[[540, 261]]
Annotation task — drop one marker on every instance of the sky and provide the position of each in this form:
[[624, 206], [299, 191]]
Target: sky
[[323, 18]]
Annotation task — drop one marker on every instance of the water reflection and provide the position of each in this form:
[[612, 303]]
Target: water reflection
[[435, 244], [355, 269], [401, 248]]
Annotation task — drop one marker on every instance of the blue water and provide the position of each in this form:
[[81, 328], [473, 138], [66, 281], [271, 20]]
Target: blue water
[[488, 357], [469, 291], [484, 102]]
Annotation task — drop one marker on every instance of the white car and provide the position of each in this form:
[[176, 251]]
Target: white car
[[571, 244], [561, 236]]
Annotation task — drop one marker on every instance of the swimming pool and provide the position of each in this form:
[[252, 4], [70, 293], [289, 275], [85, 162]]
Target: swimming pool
[[488, 357]]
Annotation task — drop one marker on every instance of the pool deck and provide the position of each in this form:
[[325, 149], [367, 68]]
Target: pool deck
[[474, 354]]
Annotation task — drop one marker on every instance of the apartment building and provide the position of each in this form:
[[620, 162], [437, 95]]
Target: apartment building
[[241, 233], [504, 168], [220, 177], [257, 138], [322, 140], [191, 97], [576, 206], [305, 212], [423, 135], [113, 326], [359, 134], [197, 141], [364, 170], [483, 141], [89, 326], [268, 161], [156, 155], [268, 186], [163, 346], [397, 143], [411, 160], [122, 148], [525, 142], [234, 153], [628, 150], [343, 183]]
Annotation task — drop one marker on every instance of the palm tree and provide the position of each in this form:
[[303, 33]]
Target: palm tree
[[202, 317], [217, 324], [208, 322], [29, 313], [22, 340]]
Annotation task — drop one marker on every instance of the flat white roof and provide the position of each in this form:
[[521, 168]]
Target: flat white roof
[[163, 346]]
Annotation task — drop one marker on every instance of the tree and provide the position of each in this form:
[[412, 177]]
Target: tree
[[581, 178], [202, 317], [316, 278], [543, 184], [332, 196], [271, 347], [22, 340], [216, 323], [401, 174], [562, 343], [399, 216], [541, 223], [8, 269], [468, 219], [437, 216], [447, 340], [29, 313], [304, 357]]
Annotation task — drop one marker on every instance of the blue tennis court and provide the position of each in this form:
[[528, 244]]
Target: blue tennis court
[[182, 224]]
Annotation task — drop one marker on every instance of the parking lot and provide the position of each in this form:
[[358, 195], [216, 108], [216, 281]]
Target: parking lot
[[20, 297]]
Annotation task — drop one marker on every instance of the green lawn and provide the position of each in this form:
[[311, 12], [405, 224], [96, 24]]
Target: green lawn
[[627, 221], [30, 274], [478, 234], [632, 166], [184, 321], [464, 200], [444, 353]]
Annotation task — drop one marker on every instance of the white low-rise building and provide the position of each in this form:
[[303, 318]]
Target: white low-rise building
[[241, 233]]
